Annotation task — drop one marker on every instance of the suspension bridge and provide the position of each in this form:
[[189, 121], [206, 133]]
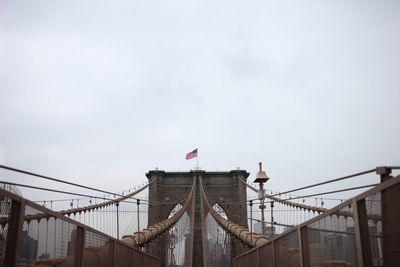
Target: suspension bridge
[[201, 218]]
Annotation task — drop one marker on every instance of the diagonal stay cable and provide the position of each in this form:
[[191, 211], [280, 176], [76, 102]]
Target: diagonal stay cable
[[52, 190], [333, 192], [121, 197], [57, 180], [68, 193], [326, 182], [323, 193]]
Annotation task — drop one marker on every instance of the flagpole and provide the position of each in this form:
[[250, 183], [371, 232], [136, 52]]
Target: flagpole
[[197, 160]]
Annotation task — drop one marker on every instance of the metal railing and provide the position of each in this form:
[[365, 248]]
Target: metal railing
[[31, 235], [369, 236]]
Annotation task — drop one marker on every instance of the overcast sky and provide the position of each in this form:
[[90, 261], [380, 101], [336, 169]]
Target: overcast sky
[[100, 92]]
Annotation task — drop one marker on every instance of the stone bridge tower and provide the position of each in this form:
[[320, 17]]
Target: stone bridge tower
[[224, 188]]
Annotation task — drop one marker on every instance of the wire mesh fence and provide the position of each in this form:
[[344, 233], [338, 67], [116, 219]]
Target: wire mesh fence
[[32, 235], [5, 210], [373, 205], [45, 239], [179, 242], [362, 231], [218, 244], [332, 240]]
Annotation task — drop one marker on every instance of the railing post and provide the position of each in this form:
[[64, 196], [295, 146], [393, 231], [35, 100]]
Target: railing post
[[112, 253], [14, 232], [304, 247], [384, 172], [300, 245], [361, 231], [79, 246], [364, 231], [133, 257], [273, 253], [390, 201]]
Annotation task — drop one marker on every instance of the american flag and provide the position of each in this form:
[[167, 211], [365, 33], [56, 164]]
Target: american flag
[[192, 154]]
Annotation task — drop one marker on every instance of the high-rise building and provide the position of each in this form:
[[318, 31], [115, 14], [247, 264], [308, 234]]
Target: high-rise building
[[269, 230], [29, 247]]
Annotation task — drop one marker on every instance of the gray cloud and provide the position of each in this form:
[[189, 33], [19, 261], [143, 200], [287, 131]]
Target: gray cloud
[[92, 90]]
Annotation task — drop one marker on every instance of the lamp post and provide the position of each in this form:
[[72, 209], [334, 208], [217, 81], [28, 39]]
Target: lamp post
[[272, 219], [172, 245], [216, 248], [251, 220], [261, 178]]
